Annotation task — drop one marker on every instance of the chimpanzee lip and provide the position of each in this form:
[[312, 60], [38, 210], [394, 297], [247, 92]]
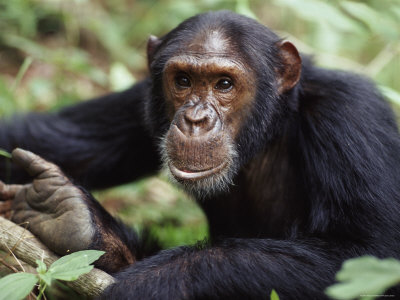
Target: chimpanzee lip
[[195, 175]]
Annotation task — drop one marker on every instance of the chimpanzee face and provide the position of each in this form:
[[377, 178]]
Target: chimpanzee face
[[220, 97], [208, 91]]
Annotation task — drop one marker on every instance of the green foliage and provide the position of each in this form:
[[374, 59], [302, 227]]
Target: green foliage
[[17, 286], [391, 94], [88, 47], [274, 295], [172, 235], [5, 153], [120, 78], [25, 65], [243, 8], [362, 36], [68, 268], [365, 277], [154, 204]]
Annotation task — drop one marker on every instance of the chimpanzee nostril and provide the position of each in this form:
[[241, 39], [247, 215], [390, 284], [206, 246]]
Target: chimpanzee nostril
[[195, 115], [198, 120]]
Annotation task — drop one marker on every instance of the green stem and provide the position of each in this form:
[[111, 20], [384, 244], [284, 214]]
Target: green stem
[[25, 65], [42, 287]]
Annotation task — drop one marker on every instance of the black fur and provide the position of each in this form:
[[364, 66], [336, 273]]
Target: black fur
[[318, 178], [97, 142]]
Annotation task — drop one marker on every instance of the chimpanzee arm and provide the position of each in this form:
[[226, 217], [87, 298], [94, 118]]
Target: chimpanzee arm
[[231, 269], [67, 219], [100, 143]]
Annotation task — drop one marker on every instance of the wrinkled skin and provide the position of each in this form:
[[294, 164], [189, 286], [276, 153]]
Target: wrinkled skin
[[62, 215], [49, 205]]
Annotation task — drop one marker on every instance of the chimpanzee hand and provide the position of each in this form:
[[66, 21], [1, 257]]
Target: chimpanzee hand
[[55, 210], [63, 216]]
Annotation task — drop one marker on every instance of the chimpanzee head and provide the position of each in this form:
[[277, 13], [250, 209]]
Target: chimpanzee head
[[219, 81]]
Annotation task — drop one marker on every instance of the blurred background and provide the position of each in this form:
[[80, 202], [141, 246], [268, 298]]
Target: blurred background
[[54, 53]]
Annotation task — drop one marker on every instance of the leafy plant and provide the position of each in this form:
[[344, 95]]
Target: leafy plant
[[274, 295], [68, 268], [365, 278]]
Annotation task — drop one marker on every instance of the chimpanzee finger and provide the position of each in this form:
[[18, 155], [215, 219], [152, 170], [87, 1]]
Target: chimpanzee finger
[[34, 164], [8, 191]]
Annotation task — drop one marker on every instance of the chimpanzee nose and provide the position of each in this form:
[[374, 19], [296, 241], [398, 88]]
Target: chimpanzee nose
[[198, 120]]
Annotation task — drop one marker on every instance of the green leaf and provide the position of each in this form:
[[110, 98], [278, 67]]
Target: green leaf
[[46, 277], [5, 153], [25, 66], [71, 266], [88, 256], [70, 275], [17, 286], [274, 295], [41, 269], [365, 275]]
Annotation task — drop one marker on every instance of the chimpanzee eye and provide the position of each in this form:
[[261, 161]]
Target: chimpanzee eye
[[182, 81], [224, 84]]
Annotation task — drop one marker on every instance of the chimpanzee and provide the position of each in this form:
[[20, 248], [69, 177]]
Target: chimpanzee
[[297, 168]]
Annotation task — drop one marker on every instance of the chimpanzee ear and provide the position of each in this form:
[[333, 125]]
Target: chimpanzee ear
[[152, 44], [289, 73]]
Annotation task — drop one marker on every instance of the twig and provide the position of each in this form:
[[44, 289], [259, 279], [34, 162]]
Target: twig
[[12, 268]]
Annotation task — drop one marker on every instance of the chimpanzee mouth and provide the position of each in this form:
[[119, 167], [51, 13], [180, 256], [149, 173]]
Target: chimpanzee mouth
[[195, 174], [204, 181]]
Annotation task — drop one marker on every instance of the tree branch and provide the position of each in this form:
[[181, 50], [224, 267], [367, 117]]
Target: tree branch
[[20, 242]]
